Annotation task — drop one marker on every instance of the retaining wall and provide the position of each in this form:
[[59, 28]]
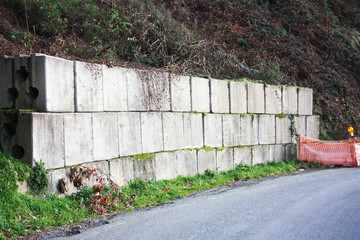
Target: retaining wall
[[144, 124]]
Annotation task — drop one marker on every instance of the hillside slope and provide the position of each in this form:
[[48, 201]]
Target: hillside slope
[[312, 43]]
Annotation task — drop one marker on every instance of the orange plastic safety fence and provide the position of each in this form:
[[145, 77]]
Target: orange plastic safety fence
[[344, 153]]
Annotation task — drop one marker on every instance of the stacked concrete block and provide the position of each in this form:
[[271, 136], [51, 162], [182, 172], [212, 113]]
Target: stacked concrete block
[[312, 126], [151, 132], [129, 133], [249, 132], [200, 95], [242, 155], [290, 152], [159, 90], [193, 130], [78, 138], [260, 154], [300, 128], [290, 100], [283, 130], [138, 91], [206, 160], [180, 93], [238, 97], [213, 130], [273, 99], [166, 165], [173, 131], [115, 89], [256, 98], [266, 129], [276, 153], [106, 136], [231, 130], [225, 159], [101, 171], [219, 96], [22, 80], [144, 166], [88, 87], [305, 101], [122, 170], [8, 92], [186, 163]]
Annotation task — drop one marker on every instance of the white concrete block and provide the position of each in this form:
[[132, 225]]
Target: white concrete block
[[273, 99], [138, 90], [193, 130], [48, 139], [291, 152], [242, 155], [249, 132], [213, 130], [225, 159], [300, 127], [102, 172], [266, 129], [54, 177], [129, 133], [283, 130], [289, 100], [22, 80], [187, 163], [206, 160], [159, 90], [115, 89], [144, 166], [151, 132], [260, 154], [106, 136], [219, 96], [276, 153], [180, 93], [78, 134], [173, 131], [313, 126], [166, 165], [8, 93], [53, 84], [238, 97], [122, 170], [256, 98], [89, 87], [231, 130], [200, 94], [305, 101]]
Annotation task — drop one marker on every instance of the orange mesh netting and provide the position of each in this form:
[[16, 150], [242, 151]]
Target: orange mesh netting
[[345, 152]]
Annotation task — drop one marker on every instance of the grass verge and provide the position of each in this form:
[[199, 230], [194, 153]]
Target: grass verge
[[22, 214]]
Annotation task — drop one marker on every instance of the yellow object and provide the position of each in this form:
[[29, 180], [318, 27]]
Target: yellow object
[[351, 131]]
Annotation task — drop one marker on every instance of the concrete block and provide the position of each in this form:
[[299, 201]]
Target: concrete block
[[173, 131], [300, 127], [22, 80], [206, 160], [138, 90], [78, 134], [122, 170], [291, 152], [283, 130], [102, 171], [289, 100], [129, 133], [23, 140], [260, 154], [24, 187], [249, 130], [151, 132], [273, 99], [193, 130], [200, 94], [8, 93], [106, 136], [115, 89], [54, 178], [276, 153], [187, 163], [238, 97], [159, 90], [242, 155], [180, 93], [166, 165], [313, 126], [88, 87], [231, 130], [266, 129], [52, 84], [256, 98], [219, 96], [144, 166], [213, 130], [8, 128], [305, 101], [225, 159]]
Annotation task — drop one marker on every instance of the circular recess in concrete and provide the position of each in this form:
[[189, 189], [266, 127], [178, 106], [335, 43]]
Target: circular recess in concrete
[[21, 74], [8, 130], [12, 93], [17, 151], [32, 93]]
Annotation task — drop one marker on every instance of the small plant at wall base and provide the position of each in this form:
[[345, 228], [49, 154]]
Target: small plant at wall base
[[39, 182]]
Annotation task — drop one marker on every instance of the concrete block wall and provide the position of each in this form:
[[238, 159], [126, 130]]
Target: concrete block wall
[[144, 124]]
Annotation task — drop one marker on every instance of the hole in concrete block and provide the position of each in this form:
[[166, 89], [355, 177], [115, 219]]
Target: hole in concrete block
[[17, 151], [8, 130], [32, 93], [12, 93], [22, 74]]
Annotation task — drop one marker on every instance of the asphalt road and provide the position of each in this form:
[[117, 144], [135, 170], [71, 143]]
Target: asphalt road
[[318, 205]]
